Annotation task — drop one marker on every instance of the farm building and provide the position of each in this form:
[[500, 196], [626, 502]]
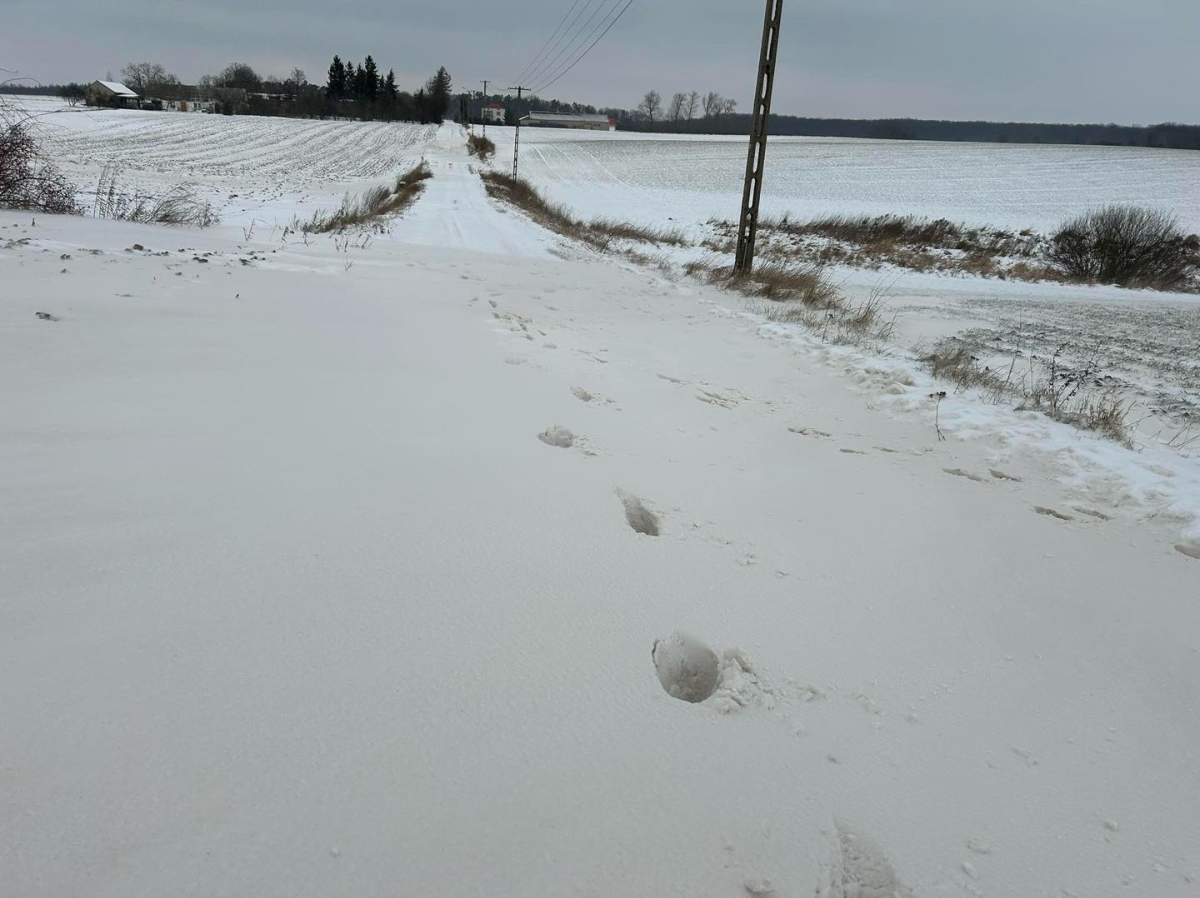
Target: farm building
[[109, 93], [569, 120], [493, 114]]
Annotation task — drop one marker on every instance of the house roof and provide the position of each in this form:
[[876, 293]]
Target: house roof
[[119, 89], [494, 106], [567, 118]]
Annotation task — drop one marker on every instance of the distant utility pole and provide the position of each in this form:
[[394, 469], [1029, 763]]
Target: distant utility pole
[[517, 139], [748, 226], [483, 107]]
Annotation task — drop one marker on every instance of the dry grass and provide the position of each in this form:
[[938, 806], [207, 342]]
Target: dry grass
[[181, 205], [1062, 393], [483, 147], [905, 241], [600, 232], [370, 207]]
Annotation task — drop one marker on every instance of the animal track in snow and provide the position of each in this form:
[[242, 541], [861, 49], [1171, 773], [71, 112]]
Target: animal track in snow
[[1092, 513], [852, 451], [640, 519]]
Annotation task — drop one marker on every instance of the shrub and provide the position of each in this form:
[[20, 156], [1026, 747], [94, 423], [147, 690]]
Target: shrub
[[27, 179], [483, 147], [1126, 245]]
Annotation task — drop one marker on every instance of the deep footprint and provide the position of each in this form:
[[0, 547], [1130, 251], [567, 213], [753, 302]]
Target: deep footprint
[[557, 436], [640, 519], [687, 668]]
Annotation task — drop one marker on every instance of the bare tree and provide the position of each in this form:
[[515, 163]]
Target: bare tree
[[651, 106], [147, 77], [296, 81], [728, 107], [675, 108], [692, 106], [713, 103]]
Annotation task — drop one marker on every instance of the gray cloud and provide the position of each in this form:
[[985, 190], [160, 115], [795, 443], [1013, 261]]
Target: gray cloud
[[1060, 60]]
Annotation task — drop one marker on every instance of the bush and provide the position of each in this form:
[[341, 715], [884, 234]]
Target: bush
[[483, 147], [1126, 245], [27, 179]]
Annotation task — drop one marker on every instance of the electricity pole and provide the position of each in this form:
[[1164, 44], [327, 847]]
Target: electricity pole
[[483, 107], [759, 118], [517, 139]]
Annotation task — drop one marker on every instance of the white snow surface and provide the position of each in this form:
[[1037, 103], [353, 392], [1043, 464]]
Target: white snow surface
[[295, 602], [683, 180]]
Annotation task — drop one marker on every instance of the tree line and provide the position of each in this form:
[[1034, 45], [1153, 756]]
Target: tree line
[[357, 91]]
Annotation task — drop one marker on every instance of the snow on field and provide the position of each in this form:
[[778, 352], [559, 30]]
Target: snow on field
[[349, 568], [687, 179], [250, 168]]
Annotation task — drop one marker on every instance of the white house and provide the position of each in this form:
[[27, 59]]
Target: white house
[[493, 114]]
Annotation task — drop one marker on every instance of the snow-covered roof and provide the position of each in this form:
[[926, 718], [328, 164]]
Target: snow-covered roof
[[567, 117], [119, 89]]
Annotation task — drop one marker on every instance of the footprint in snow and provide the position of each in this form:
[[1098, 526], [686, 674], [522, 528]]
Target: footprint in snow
[[639, 518], [959, 472], [557, 436], [1051, 513], [858, 868]]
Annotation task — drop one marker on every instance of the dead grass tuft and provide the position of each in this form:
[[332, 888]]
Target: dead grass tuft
[[369, 207], [600, 232], [181, 205]]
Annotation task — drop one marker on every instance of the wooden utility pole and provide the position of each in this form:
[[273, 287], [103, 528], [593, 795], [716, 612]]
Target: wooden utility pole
[[517, 139], [483, 107], [759, 119]]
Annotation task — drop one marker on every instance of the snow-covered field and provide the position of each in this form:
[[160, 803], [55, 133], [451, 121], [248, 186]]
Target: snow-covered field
[[687, 179], [326, 569], [264, 170]]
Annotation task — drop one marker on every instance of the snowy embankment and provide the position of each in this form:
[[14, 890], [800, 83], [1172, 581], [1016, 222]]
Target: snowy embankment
[[337, 569]]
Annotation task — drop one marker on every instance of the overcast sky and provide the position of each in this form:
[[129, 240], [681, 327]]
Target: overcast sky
[[1129, 61]]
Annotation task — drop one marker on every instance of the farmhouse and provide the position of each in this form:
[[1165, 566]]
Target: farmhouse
[[493, 114], [566, 120], [109, 93]]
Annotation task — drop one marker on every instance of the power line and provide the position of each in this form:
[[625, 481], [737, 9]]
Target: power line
[[580, 57], [565, 36], [547, 44], [568, 49]]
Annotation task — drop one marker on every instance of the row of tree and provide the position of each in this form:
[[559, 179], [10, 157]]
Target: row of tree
[[682, 107]]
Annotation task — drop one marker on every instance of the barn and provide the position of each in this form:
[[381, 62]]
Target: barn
[[110, 93], [568, 120]]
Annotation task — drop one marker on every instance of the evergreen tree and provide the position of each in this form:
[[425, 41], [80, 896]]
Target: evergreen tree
[[351, 81], [437, 94], [336, 87], [370, 79]]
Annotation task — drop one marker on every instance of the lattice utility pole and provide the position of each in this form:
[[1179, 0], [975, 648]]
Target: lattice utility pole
[[517, 139], [483, 107], [759, 119]]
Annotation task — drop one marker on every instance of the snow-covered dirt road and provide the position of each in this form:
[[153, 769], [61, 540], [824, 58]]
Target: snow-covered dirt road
[[295, 601]]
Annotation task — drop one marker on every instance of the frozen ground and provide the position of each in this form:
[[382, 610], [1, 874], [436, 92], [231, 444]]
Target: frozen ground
[[331, 570]]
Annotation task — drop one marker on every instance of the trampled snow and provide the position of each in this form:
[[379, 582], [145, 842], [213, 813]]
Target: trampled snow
[[295, 600]]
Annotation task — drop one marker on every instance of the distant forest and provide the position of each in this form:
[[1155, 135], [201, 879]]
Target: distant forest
[[1164, 136]]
